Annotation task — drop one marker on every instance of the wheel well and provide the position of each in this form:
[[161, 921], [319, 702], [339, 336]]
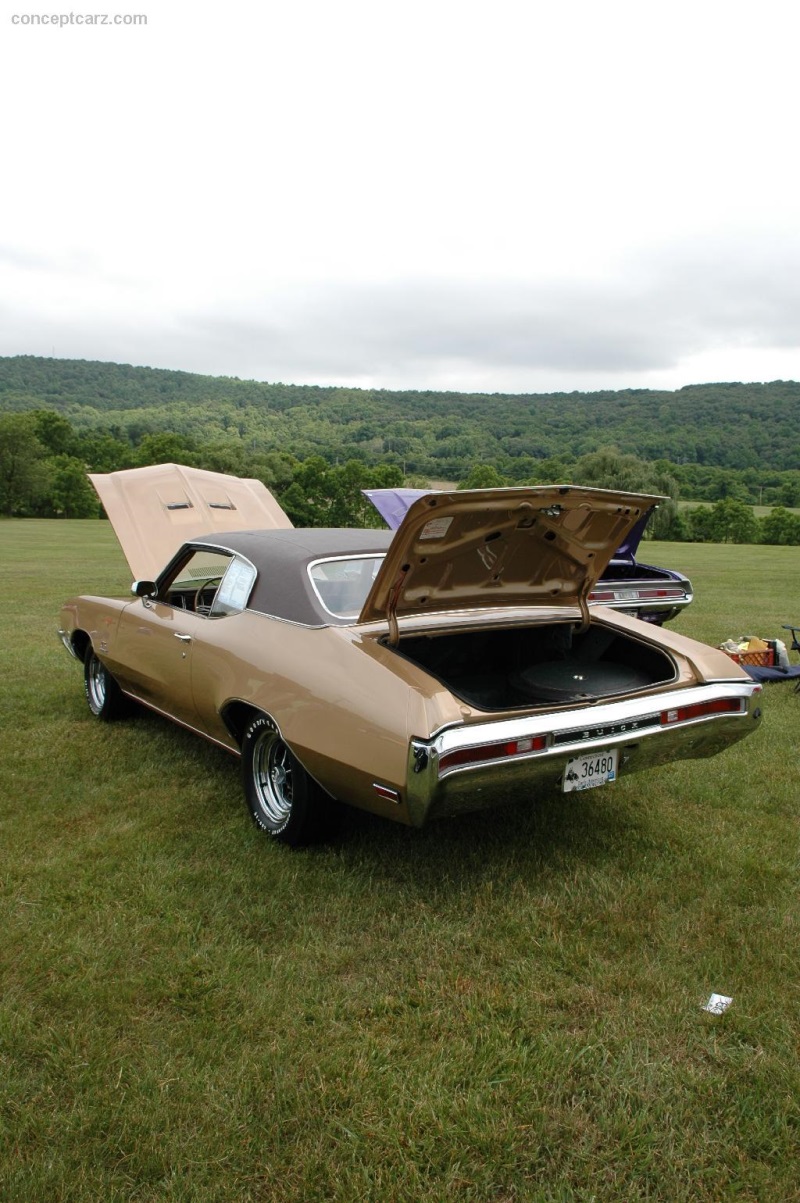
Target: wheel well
[[81, 644], [236, 716]]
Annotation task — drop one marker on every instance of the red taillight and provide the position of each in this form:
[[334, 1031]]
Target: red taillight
[[386, 792], [642, 594], [683, 714], [499, 751]]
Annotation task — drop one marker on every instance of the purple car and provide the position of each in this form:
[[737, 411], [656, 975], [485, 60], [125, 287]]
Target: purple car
[[649, 593]]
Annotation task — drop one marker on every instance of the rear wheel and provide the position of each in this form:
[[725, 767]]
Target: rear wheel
[[283, 800], [106, 699]]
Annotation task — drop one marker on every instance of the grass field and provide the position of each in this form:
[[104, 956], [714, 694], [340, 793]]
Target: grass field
[[760, 511], [507, 1007]]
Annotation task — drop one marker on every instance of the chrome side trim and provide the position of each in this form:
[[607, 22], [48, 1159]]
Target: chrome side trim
[[179, 722]]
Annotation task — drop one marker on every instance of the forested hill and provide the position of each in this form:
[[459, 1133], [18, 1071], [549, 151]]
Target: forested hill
[[740, 426]]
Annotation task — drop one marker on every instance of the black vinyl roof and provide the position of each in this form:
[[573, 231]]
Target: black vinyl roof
[[281, 557]]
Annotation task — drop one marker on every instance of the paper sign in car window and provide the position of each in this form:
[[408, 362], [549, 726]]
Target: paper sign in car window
[[235, 588], [437, 528]]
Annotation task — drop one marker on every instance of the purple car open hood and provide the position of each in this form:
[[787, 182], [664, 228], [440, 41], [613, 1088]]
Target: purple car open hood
[[628, 548], [394, 504]]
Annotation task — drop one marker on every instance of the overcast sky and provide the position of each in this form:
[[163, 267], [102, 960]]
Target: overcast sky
[[517, 196]]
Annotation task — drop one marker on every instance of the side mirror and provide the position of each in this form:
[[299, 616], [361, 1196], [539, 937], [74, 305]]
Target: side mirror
[[143, 588]]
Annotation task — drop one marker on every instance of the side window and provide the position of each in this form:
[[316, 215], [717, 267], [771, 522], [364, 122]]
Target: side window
[[234, 592], [196, 581], [342, 583]]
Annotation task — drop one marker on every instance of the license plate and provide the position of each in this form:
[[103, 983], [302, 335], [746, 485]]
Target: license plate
[[591, 770]]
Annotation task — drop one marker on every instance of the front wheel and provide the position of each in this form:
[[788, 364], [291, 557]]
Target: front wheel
[[282, 798], [106, 699]]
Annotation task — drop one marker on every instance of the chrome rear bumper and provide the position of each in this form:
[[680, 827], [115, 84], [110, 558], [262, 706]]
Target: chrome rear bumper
[[647, 731]]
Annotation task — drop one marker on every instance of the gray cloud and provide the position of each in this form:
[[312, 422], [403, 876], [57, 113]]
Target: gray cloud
[[73, 263], [647, 317]]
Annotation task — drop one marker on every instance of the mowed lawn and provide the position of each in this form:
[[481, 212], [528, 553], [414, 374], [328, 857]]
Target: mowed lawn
[[504, 1007]]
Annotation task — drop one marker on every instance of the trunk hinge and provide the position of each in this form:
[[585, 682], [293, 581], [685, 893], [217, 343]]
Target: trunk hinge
[[391, 606], [583, 602]]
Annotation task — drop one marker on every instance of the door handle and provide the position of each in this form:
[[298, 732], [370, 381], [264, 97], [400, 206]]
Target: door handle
[[183, 638]]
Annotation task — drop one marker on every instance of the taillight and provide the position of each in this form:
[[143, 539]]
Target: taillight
[[684, 714], [498, 751], [641, 593]]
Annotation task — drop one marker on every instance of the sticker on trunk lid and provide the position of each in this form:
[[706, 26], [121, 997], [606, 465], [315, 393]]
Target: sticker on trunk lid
[[437, 528]]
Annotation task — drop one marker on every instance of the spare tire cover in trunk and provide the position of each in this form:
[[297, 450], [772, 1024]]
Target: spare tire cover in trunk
[[570, 680]]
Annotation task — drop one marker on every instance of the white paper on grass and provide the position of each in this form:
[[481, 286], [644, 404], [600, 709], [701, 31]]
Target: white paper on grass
[[718, 1004]]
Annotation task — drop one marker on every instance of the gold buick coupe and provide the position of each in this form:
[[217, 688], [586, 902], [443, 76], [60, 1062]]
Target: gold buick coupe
[[450, 665]]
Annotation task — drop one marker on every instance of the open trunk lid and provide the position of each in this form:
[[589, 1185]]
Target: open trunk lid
[[485, 548]]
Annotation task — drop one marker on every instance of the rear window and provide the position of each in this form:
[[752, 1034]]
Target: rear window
[[343, 584]]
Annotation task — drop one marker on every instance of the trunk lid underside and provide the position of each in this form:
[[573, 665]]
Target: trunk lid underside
[[501, 547]]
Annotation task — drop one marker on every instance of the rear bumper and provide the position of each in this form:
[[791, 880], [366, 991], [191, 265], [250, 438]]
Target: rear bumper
[[651, 601], [637, 727]]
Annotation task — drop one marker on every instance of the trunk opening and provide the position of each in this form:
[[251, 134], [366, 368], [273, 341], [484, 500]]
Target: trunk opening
[[538, 665], [619, 571]]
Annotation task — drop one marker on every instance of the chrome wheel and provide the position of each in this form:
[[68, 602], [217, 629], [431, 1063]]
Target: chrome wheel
[[273, 778], [96, 685], [106, 699], [284, 801]]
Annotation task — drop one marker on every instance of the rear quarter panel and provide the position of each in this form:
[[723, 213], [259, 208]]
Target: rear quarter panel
[[346, 713]]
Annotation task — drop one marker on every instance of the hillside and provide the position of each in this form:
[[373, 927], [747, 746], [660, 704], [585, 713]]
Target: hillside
[[732, 426]]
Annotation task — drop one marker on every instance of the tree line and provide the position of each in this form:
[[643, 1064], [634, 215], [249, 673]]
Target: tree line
[[720, 439], [44, 463]]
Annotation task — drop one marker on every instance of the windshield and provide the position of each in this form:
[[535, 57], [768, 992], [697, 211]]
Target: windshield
[[342, 584]]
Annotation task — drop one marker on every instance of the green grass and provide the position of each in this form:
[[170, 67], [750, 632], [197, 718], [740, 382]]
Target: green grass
[[505, 1007]]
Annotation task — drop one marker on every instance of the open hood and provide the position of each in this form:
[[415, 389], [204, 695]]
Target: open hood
[[544, 545], [154, 510], [626, 552]]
